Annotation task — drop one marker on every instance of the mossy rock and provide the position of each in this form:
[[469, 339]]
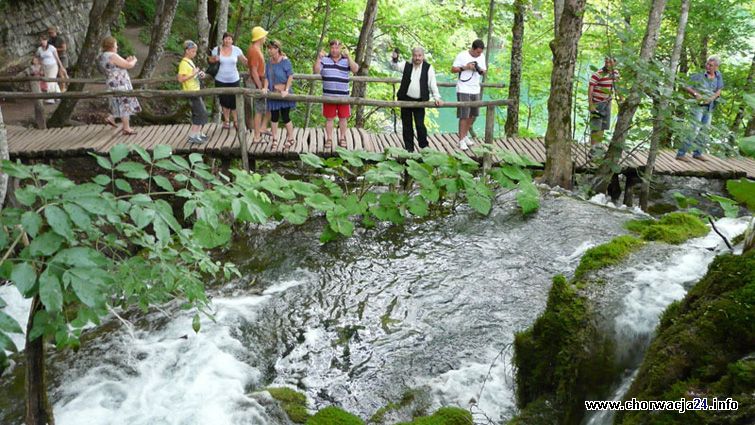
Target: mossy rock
[[659, 209], [703, 348], [332, 415], [409, 397], [444, 416], [607, 254], [673, 228], [563, 357], [539, 412], [292, 402], [743, 191]]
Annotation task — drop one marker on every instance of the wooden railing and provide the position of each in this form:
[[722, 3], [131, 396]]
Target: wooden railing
[[242, 93]]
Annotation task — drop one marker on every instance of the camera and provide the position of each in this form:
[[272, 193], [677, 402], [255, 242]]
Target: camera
[[477, 67]]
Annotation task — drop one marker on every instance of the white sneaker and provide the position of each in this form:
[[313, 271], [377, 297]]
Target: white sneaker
[[50, 101], [463, 144], [470, 141]]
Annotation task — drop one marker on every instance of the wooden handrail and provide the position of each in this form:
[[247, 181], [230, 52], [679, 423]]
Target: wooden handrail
[[250, 93], [148, 81]]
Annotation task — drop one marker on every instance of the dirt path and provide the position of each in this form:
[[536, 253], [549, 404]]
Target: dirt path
[[21, 111]]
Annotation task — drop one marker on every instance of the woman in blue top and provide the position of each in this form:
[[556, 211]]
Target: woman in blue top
[[228, 75], [280, 76]]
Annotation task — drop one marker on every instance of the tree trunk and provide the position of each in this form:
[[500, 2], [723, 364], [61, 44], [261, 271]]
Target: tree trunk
[[748, 89], [363, 56], [38, 409], [629, 106], [703, 56], [661, 113], [239, 20], [750, 130], [325, 23], [222, 20], [489, 45], [165, 11], [3, 155], [515, 77], [102, 15], [203, 22], [558, 164], [558, 10]]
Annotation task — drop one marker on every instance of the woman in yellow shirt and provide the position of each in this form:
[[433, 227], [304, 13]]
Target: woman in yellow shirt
[[189, 76]]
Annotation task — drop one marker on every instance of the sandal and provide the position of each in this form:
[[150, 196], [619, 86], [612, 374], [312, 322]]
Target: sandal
[[329, 144], [289, 144], [342, 143], [274, 145], [128, 133], [226, 125], [111, 122]]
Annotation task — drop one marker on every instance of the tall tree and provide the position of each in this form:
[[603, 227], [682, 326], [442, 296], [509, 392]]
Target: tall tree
[[662, 109], [558, 10], [102, 15], [3, 155], [515, 76], [558, 163], [221, 20], [363, 56], [629, 106], [203, 22], [165, 11]]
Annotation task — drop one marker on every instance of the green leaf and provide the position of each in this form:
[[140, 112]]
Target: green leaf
[[514, 173], [81, 257], [328, 234], [88, 284], [31, 221], [730, 207], [6, 344], [747, 145], [123, 185], [132, 170], [209, 237], [9, 324], [312, 160], [142, 153], [58, 221], [26, 195], [118, 152], [19, 171], [340, 223], [46, 244], [319, 202], [431, 194], [161, 152], [77, 214], [479, 202], [102, 180], [162, 231], [167, 165], [350, 156], [195, 323], [50, 292], [528, 197], [141, 217], [180, 162], [103, 162], [418, 206], [295, 214], [195, 158], [303, 188]]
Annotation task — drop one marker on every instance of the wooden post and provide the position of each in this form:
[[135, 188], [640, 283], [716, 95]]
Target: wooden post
[[241, 132], [489, 129], [393, 110], [39, 107]]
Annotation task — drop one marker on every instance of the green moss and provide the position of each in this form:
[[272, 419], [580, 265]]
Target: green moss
[[292, 402], [406, 399], [607, 254], [659, 209], [539, 412], [673, 228], [743, 191], [332, 415], [703, 348], [444, 416], [563, 357]]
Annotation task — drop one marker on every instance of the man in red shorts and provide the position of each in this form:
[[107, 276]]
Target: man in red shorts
[[334, 69]]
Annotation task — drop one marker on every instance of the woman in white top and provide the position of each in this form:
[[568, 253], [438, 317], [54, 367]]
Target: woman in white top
[[51, 64], [228, 75]]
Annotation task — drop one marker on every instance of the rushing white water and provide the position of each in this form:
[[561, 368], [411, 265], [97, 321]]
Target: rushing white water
[[17, 308], [352, 323]]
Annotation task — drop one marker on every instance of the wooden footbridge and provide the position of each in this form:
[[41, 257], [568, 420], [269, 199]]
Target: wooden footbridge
[[33, 144]]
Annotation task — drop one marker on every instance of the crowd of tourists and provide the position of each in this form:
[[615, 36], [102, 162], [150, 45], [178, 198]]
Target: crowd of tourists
[[274, 74]]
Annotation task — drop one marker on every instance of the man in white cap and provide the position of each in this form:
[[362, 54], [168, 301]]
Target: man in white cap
[[257, 75]]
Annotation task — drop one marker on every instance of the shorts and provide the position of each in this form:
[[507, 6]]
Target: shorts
[[198, 111], [467, 111], [227, 101], [330, 110], [601, 119], [260, 105]]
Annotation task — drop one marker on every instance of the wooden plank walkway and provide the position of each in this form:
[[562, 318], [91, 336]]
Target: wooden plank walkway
[[75, 141]]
